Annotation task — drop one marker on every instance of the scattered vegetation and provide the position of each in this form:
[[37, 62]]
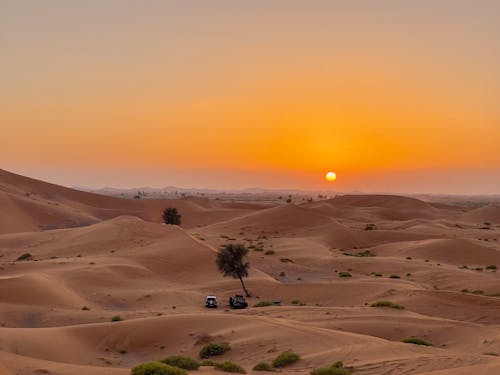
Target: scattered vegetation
[[366, 253], [171, 216], [214, 349], [269, 252], [344, 274], [263, 304], [376, 274], [370, 227], [491, 353], [85, 308], [263, 366], [394, 277], [336, 369], [285, 359], [230, 367], [390, 304], [231, 261], [417, 341], [491, 267], [207, 362], [409, 258], [25, 256], [180, 361], [116, 318], [157, 368]]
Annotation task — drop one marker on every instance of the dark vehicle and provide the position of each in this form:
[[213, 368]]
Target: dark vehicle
[[211, 302], [238, 302]]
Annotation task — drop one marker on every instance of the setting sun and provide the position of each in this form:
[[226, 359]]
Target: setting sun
[[331, 176]]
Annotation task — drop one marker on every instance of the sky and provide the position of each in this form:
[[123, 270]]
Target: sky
[[394, 96]]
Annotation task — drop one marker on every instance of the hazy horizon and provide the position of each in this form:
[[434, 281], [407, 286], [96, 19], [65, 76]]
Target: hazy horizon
[[394, 96], [68, 179]]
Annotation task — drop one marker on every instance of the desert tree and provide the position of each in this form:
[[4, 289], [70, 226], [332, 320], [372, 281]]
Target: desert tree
[[171, 216], [231, 261]]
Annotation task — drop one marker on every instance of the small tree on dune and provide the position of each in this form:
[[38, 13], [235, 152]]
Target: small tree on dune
[[231, 262], [171, 216]]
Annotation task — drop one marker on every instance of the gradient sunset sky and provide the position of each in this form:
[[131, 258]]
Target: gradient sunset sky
[[394, 96]]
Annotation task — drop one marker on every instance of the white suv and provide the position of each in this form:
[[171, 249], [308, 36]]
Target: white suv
[[211, 302]]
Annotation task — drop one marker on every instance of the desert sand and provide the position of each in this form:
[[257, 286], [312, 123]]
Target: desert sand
[[115, 258]]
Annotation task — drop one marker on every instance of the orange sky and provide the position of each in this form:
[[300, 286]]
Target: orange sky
[[397, 96]]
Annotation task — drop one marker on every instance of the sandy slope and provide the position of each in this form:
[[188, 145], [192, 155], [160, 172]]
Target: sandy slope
[[113, 257], [29, 205]]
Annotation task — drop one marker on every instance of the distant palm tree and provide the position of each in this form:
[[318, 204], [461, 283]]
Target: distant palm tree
[[171, 216], [231, 262]]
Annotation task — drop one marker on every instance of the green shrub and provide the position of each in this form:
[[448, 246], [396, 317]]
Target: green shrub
[[295, 302], [331, 371], [230, 367], [285, 359], [157, 368], [25, 256], [390, 304], [336, 369], [366, 253], [182, 362], [491, 353], [264, 304], [417, 341], [211, 350], [207, 362], [263, 366], [344, 274]]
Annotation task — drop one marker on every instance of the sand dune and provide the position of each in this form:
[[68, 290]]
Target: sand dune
[[93, 258], [451, 251], [33, 205], [484, 214]]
